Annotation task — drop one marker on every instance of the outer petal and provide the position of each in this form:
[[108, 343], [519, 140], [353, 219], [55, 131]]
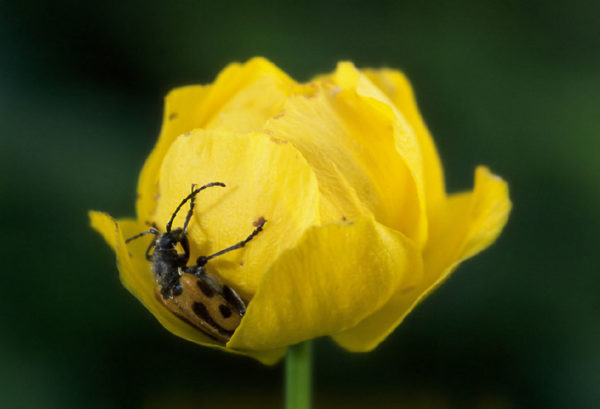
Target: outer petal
[[136, 276], [264, 178], [336, 276], [398, 89], [350, 143], [181, 107], [472, 221], [241, 99]]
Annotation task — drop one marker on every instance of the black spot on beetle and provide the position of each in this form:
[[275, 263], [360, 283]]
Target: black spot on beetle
[[233, 300], [201, 311], [205, 288], [225, 311]]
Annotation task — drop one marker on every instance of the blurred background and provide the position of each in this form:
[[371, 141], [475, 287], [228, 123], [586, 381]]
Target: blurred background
[[514, 85]]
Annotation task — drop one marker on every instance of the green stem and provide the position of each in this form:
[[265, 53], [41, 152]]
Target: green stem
[[298, 384]]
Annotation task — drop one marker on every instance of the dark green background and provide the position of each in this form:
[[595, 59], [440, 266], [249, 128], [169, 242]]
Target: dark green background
[[515, 86]]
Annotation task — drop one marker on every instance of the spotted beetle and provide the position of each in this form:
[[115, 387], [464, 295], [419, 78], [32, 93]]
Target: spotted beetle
[[190, 292]]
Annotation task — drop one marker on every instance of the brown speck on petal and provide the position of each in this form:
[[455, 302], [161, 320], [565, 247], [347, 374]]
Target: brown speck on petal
[[172, 116], [408, 289], [277, 140]]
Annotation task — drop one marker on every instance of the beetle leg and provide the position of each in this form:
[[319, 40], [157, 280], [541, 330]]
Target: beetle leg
[[151, 231], [186, 248], [150, 247]]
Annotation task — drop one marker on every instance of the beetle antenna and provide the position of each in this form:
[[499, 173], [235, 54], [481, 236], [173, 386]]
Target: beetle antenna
[[202, 260], [189, 197], [188, 217]]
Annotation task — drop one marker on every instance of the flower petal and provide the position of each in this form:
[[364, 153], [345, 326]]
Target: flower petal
[[398, 89], [471, 222], [350, 143], [244, 96], [264, 179], [241, 99], [137, 277], [181, 107], [336, 276]]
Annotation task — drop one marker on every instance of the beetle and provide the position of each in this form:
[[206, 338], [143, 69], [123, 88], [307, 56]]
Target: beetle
[[192, 293]]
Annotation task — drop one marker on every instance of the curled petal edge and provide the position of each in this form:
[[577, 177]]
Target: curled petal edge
[[398, 89], [472, 221]]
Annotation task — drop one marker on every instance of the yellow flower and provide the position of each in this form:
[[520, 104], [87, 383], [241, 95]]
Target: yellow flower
[[359, 226]]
